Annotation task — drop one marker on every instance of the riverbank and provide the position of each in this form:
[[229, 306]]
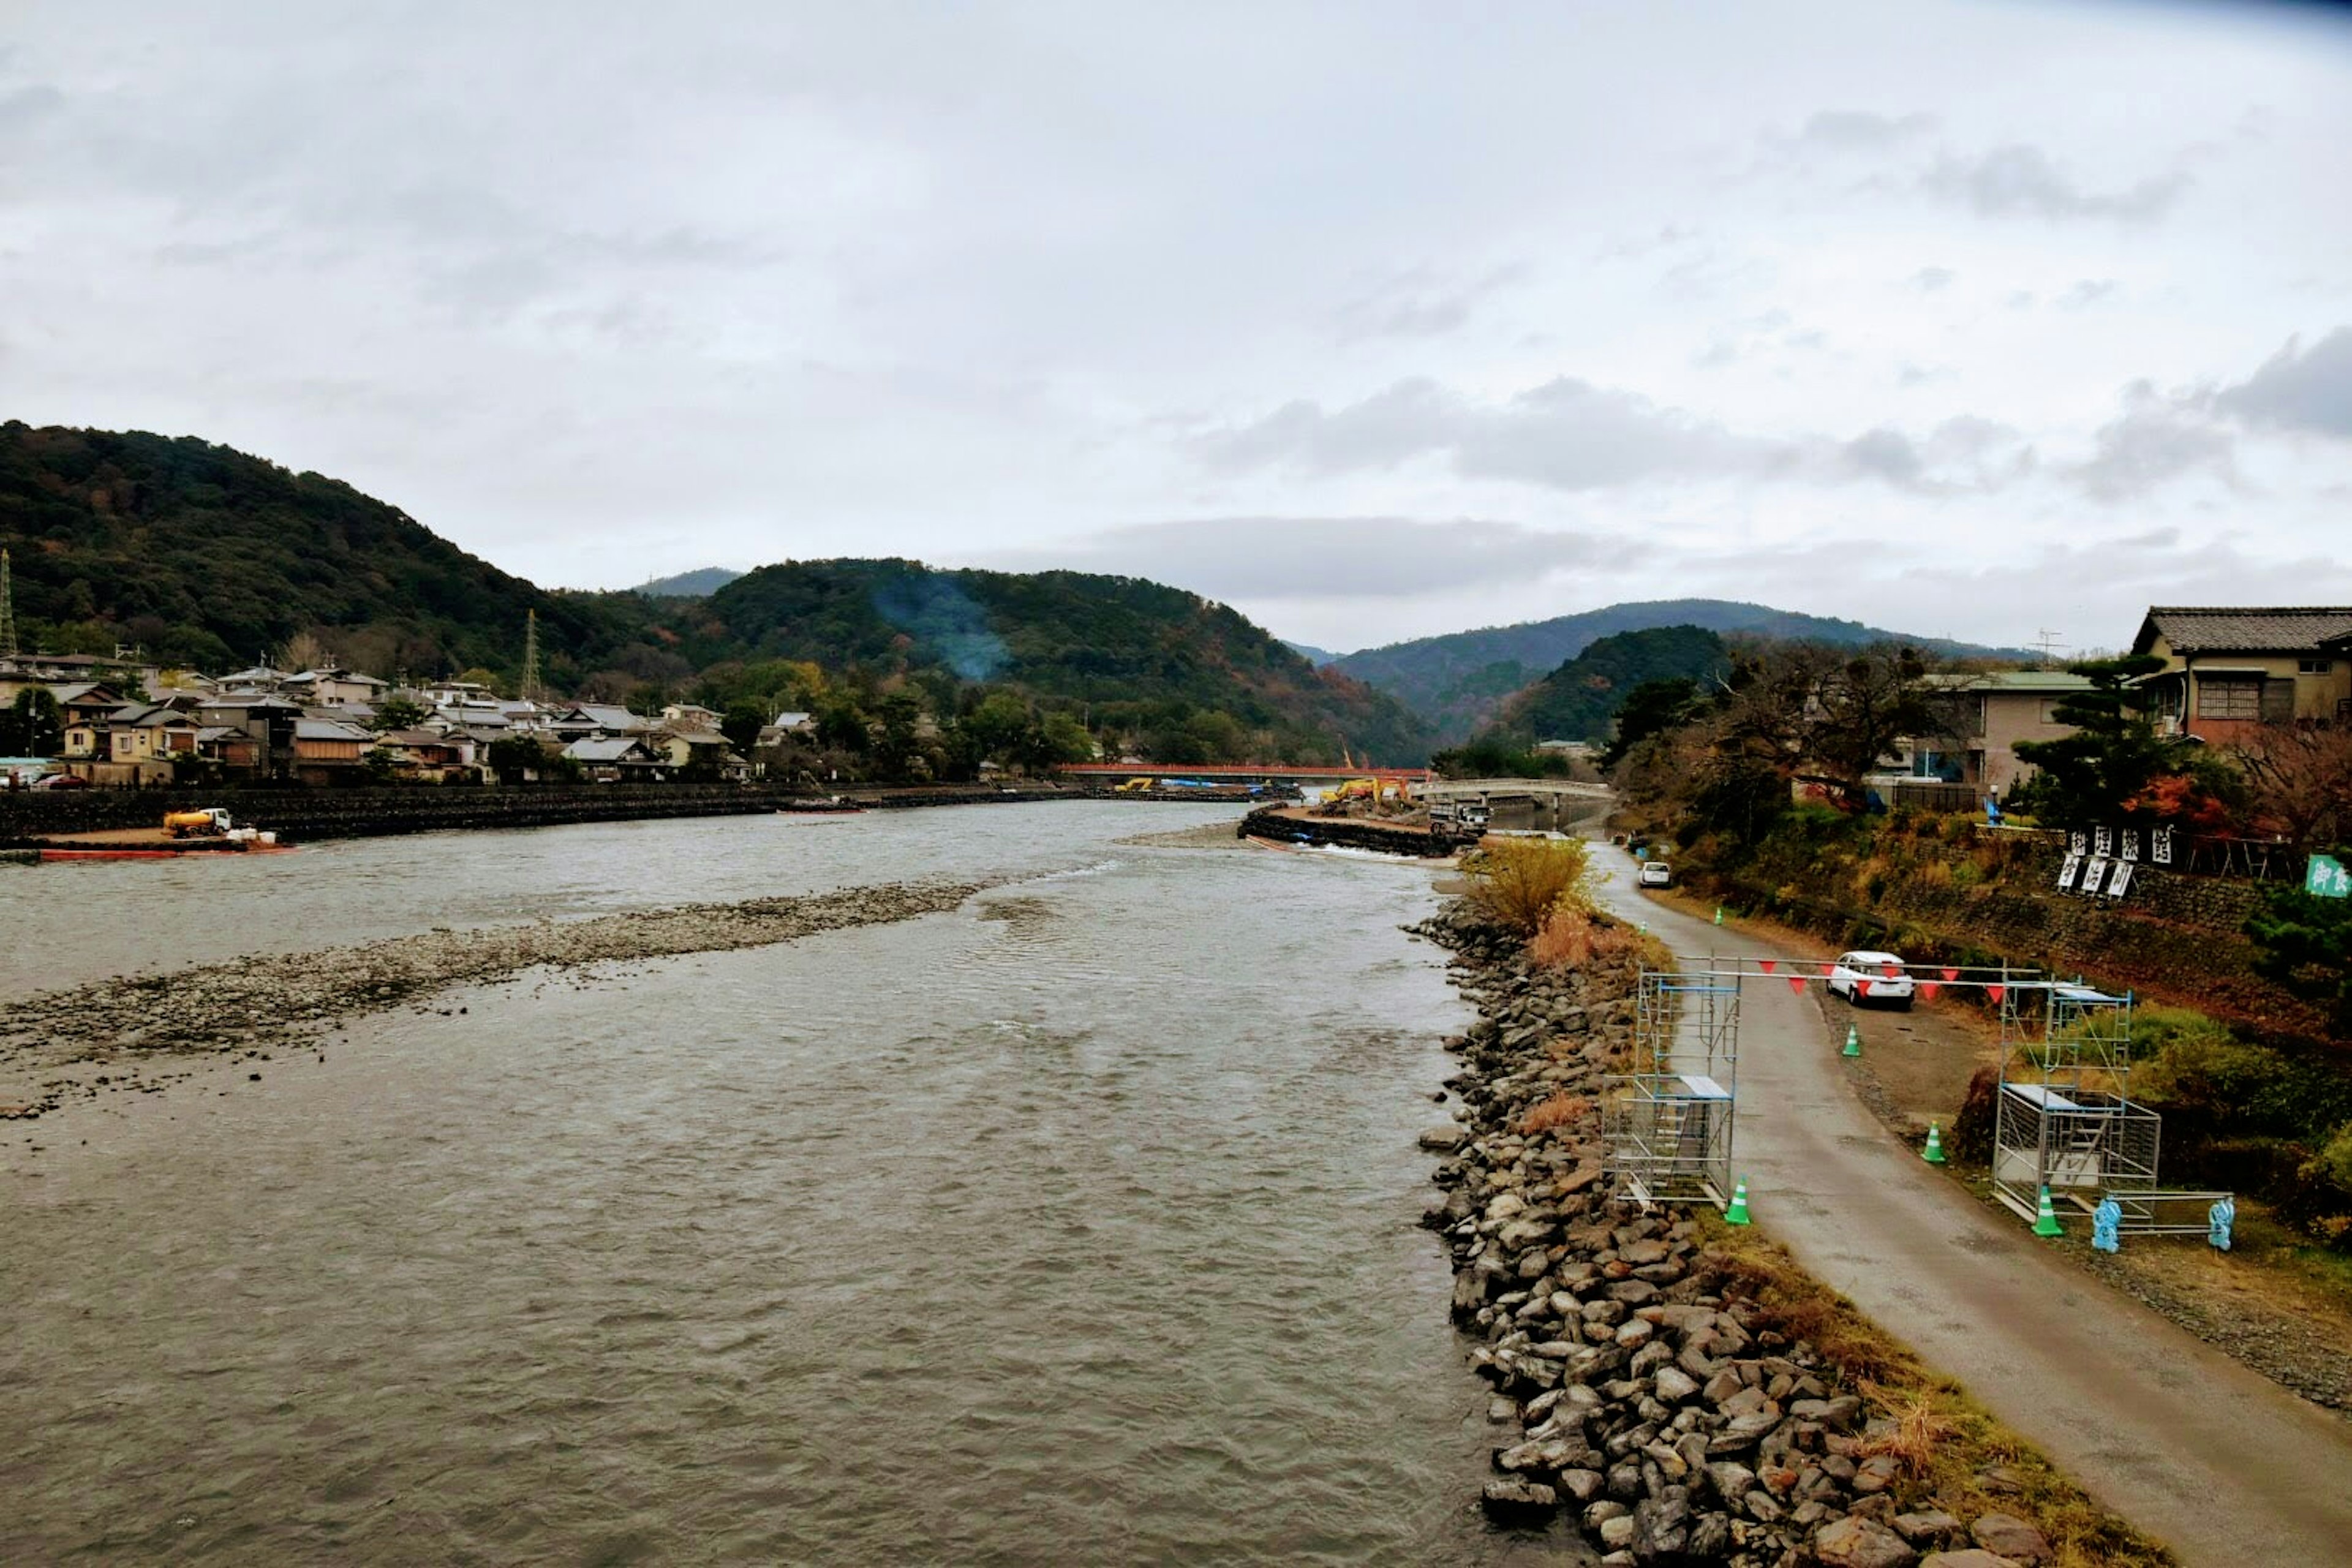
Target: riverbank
[[56, 1042], [1686, 1394]]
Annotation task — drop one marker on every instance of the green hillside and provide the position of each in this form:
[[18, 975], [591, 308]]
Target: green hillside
[[1459, 682], [1133, 655], [1579, 701]]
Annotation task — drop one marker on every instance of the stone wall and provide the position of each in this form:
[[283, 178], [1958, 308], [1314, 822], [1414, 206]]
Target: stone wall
[[301, 814], [1343, 832]]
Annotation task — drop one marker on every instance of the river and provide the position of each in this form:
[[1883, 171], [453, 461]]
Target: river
[[1074, 1227]]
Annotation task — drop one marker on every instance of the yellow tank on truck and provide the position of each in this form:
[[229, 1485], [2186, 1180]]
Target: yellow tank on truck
[[189, 824]]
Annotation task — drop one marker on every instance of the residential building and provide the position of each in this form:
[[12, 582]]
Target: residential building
[[608, 759], [2228, 670], [329, 751], [333, 686], [686, 716], [1990, 713]]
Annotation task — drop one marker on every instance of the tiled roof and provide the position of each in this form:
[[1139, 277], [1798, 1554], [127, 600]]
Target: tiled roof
[[2203, 629]]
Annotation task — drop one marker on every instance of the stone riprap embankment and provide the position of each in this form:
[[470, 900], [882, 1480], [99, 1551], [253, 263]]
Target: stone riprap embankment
[[281, 1001], [1665, 1413]]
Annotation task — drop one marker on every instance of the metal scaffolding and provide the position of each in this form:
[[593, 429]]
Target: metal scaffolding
[[1667, 1123]]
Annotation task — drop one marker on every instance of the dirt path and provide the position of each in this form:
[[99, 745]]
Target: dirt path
[[2225, 1465]]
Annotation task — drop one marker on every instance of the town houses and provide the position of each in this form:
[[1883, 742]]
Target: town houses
[[127, 723]]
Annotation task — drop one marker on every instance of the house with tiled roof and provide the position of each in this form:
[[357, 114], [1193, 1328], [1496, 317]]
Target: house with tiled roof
[[2228, 670]]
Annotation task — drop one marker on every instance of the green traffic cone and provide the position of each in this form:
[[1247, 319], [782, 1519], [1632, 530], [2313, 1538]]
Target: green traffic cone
[[1934, 1153], [2046, 1222], [1719, 914], [1853, 1042], [1737, 1213]]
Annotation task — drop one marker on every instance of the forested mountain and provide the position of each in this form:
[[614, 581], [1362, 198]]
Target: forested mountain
[[1457, 682], [1578, 700], [212, 559]]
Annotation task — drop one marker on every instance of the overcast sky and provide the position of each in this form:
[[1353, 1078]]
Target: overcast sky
[[1372, 320]]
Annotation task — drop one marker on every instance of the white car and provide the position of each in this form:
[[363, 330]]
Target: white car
[[1866, 976], [1658, 874]]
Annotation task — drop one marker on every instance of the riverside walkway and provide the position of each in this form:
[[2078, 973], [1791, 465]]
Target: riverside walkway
[[2225, 1465]]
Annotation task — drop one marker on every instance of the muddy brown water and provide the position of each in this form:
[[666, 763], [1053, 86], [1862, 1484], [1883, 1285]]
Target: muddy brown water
[[1076, 1226]]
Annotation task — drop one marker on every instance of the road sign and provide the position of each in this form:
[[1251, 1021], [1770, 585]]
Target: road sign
[[2326, 879]]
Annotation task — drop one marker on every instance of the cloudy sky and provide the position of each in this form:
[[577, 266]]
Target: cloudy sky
[[1373, 320]]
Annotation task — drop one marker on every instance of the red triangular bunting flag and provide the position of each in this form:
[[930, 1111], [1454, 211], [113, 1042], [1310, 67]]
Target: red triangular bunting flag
[[1862, 987], [1893, 971], [1928, 988], [1951, 974], [1995, 992], [1770, 964], [1797, 983]]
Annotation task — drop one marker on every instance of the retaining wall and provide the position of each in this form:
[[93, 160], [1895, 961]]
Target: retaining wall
[[300, 815]]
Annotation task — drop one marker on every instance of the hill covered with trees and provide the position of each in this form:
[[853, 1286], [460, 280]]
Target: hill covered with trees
[[1186, 678], [1580, 700]]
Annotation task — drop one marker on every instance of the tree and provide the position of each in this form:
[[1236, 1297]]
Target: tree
[[2304, 944], [2298, 781], [742, 724], [1649, 708], [34, 725], [1858, 711], [396, 713], [380, 762], [2113, 756], [511, 757], [302, 651]]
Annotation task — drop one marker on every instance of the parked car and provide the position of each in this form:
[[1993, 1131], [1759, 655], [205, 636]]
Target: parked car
[[1658, 874], [61, 781], [1868, 976]]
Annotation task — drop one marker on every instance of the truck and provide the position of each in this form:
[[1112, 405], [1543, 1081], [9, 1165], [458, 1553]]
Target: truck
[[211, 822]]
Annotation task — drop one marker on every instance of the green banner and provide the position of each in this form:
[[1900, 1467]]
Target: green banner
[[2326, 879]]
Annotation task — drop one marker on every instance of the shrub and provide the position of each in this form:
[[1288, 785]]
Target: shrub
[[1517, 882], [1559, 1110]]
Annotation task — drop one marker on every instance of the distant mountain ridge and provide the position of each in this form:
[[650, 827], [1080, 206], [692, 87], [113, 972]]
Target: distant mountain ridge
[[699, 584], [1458, 682]]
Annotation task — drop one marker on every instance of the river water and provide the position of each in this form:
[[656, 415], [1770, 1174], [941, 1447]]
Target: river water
[[1076, 1226]]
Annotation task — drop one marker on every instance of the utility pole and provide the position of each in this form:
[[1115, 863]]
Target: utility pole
[[7, 610], [531, 659]]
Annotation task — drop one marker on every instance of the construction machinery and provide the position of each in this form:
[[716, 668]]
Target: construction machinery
[[1136, 786], [211, 822]]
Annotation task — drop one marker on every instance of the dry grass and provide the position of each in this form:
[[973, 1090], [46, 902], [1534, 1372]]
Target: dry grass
[[1943, 1440], [1518, 882], [1560, 1111], [1575, 937]]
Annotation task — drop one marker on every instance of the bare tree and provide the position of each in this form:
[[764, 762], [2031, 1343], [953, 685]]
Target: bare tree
[[2299, 780]]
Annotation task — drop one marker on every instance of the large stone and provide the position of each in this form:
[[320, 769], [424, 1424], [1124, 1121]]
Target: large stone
[[1860, 1543], [1444, 1140], [1973, 1557], [2006, 1535], [1927, 1527], [1673, 1385], [1518, 1499]]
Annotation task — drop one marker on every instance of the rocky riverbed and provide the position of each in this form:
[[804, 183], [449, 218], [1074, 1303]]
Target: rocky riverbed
[[1637, 1387], [260, 1006]]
